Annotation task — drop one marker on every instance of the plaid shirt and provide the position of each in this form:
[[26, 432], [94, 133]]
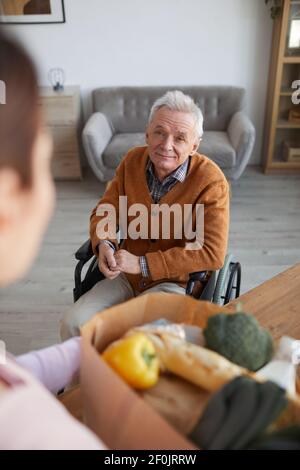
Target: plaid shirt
[[157, 190]]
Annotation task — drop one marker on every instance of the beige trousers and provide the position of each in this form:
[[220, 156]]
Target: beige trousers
[[103, 295]]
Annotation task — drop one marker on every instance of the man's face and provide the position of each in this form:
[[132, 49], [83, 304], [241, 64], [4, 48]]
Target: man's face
[[171, 137]]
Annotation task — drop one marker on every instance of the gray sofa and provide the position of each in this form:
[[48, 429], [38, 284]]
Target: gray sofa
[[120, 117]]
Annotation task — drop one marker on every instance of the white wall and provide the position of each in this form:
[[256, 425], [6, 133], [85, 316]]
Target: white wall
[[159, 42]]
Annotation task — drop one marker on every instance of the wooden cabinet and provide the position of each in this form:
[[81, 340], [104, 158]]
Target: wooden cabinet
[[282, 129], [62, 113]]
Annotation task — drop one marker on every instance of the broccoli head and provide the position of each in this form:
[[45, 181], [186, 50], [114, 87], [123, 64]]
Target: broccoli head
[[240, 339]]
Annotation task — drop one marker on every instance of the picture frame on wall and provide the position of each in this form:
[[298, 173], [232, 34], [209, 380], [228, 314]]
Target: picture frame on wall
[[32, 11]]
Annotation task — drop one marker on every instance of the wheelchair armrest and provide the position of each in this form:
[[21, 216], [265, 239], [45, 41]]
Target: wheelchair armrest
[[85, 252], [198, 276], [201, 276]]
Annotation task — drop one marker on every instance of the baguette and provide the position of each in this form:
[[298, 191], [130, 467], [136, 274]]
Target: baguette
[[195, 364]]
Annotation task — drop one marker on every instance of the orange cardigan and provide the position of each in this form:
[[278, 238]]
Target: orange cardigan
[[169, 260]]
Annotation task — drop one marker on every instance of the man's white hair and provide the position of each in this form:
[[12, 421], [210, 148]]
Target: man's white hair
[[178, 101]]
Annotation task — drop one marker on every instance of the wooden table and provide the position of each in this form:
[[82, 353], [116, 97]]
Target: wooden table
[[276, 303]]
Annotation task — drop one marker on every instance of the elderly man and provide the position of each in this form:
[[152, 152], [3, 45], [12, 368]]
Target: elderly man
[[168, 172]]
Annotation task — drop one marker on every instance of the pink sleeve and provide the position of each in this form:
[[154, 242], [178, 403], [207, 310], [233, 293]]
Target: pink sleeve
[[56, 366], [32, 419]]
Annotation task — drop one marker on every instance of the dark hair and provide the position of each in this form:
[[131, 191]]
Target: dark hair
[[19, 116]]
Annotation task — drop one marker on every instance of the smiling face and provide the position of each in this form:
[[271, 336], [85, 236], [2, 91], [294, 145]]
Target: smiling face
[[171, 137]]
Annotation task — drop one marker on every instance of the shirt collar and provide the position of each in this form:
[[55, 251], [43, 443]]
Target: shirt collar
[[179, 174]]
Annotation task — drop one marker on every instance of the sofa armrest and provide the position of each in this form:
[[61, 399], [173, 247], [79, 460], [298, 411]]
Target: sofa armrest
[[241, 133], [96, 135]]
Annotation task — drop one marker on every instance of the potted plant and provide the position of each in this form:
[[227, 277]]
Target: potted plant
[[275, 7]]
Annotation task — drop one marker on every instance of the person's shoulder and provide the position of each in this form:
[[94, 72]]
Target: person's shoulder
[[208, 169]]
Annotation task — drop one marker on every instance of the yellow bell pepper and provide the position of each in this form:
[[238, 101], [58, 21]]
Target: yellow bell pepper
[[135, 360]]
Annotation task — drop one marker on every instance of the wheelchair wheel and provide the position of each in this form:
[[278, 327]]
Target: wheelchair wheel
[[234, 283], [228, 282]]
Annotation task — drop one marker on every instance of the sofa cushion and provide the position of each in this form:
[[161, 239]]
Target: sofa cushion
[[119, 146], [217, 146], [214, 145]]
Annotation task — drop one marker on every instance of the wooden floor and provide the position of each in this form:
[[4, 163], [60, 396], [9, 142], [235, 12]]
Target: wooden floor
[[264, 236]]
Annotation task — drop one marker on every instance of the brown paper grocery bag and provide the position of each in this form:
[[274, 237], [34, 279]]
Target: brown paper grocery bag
[[115, 412]]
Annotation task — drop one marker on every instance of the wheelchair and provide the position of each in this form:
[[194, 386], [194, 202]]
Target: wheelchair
[[219, 287]]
